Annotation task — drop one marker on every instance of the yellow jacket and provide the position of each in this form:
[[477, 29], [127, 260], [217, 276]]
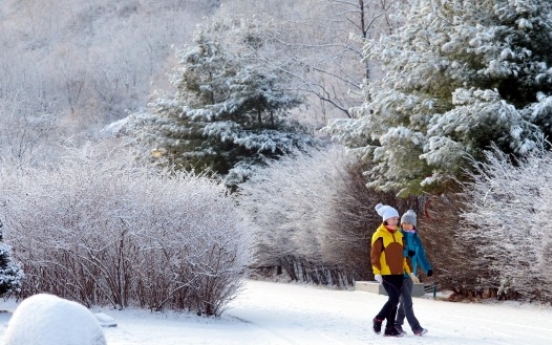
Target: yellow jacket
[[386, 253]]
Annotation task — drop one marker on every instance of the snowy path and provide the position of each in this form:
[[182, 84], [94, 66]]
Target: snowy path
[[310, 315], [282, 314]]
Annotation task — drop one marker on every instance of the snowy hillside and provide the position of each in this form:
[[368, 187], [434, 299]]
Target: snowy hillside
[[271, 313]]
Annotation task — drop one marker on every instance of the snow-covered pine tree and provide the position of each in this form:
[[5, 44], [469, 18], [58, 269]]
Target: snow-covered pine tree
[[459, 76], [11, 273], [229, 114]]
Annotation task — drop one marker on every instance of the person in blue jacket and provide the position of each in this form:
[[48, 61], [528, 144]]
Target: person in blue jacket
[[413, 249]]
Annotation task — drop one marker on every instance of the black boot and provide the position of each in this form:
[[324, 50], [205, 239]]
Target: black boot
[[420, 331], [391, 331], [400, 329], [377, 326]]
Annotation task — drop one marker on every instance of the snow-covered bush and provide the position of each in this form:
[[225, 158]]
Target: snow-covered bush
[[102, 228], [313, 216], [509, 217], [287, 202], [50, 320]]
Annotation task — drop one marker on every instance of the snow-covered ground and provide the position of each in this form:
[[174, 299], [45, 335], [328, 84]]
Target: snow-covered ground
[[277, 313]]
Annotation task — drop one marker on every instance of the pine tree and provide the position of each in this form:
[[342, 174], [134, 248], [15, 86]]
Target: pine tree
[[229, 114], [11, 273], [459, 76]]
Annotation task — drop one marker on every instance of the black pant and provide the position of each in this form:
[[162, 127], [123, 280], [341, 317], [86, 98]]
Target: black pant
[[392, 285]]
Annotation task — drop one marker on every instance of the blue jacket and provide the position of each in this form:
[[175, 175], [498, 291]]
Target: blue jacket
[[413, 242]]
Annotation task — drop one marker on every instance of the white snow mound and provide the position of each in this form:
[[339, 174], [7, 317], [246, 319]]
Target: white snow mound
[[49, 320]]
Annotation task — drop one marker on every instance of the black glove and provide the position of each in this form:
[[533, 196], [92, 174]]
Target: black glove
[[429, 273], [411, 253]]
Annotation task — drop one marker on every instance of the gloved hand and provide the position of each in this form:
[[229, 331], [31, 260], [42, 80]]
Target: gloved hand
[[378, 278], [411, 253], [414, 278], [429, 273]]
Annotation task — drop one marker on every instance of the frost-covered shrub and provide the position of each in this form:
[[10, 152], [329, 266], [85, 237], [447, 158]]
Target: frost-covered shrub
[[287, 202], [102, 229], [314, 216], [51, 320], [509, 217]]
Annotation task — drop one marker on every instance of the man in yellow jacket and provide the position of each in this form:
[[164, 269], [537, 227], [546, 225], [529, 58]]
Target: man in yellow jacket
[[389, 266]]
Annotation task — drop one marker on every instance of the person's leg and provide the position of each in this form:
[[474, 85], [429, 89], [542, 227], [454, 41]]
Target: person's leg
[[392, 285], [408, 305], [399, 320]]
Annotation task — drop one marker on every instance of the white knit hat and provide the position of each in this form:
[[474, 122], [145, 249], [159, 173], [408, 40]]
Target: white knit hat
[[386, 211], [409, 217]]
